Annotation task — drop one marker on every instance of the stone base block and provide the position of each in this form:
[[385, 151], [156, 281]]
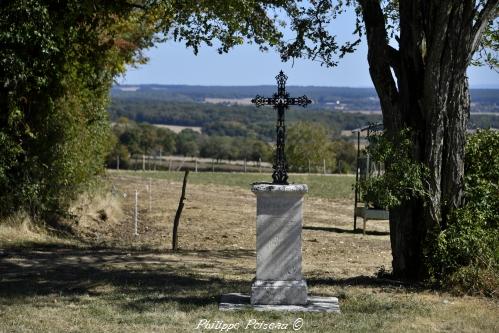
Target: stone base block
[[279, 292], [241, 302]]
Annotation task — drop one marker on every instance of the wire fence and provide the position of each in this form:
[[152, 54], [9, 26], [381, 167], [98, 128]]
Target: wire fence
[[178, 163], [136, 200]]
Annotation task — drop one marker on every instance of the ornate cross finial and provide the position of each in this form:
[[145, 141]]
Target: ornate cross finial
[[281, 79], [281, 101]]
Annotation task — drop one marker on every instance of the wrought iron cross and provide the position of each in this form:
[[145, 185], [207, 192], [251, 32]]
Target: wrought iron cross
[[281, 101]]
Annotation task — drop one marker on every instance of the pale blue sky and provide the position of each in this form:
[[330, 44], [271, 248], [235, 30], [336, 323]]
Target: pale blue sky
[[172, 63]]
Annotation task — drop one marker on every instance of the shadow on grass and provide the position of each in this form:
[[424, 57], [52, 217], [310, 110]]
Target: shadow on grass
[[366, 282], [347, 231], [143, 279], [139, 280]]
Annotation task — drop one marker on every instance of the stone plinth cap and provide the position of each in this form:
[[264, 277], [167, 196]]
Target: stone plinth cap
[[276, 188]]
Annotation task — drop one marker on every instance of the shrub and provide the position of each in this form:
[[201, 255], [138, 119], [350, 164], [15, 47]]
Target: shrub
[[466, 254], [402, 178], [58, 62]]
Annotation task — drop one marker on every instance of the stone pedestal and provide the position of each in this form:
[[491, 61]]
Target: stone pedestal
[[279, 279]]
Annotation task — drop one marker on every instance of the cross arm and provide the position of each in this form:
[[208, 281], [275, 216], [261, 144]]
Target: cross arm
[[301, 101], [281, 100], [260, 100]]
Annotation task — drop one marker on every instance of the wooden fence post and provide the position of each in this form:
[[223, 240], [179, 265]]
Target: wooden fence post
[[179, 212]]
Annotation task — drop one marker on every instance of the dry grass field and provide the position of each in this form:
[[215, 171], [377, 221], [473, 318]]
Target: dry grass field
[[108, 280]]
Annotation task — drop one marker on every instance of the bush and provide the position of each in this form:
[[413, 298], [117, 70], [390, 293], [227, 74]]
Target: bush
[[466, 254], [403, 178], [58, 63]]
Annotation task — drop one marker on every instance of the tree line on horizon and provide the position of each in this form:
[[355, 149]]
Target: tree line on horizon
[[308, 145]]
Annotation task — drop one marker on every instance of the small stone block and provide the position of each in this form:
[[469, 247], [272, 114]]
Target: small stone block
[[237, 301], [279, 292]]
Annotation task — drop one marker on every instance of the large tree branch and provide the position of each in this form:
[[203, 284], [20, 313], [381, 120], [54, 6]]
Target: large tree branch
[[394, 60], [484, 16], [378, 56]]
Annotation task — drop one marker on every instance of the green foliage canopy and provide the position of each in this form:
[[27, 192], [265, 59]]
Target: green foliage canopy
[[131, 138], [58, 60], [463, 254], [466, 254]]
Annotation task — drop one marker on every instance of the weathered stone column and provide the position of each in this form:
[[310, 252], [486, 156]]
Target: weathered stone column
[[279, 278]]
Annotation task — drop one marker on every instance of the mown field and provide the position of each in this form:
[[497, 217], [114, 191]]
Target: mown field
[[105, 279], [322, 186]]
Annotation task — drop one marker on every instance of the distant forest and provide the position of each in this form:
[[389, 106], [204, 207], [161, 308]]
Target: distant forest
[[185, 106], [217, 119], [233, 131]]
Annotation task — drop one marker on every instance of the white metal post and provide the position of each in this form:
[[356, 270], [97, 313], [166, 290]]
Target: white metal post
[[136, 213], [150, 191]]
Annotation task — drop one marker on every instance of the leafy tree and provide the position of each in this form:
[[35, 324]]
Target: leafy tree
[[120, 152], [232, 148], [132, 138], [166, 141], [309, 144], [58, 63], [149, 138], [144, 138], [255, 150], [346, 156], [187, 143], [220, 147], [418, 53]]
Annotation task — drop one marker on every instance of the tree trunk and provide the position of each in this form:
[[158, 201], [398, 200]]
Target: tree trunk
[[437, 41]]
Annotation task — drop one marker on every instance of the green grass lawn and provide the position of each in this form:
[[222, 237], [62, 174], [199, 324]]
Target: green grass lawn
[[48, 284], [322, 186], [104, 290]]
